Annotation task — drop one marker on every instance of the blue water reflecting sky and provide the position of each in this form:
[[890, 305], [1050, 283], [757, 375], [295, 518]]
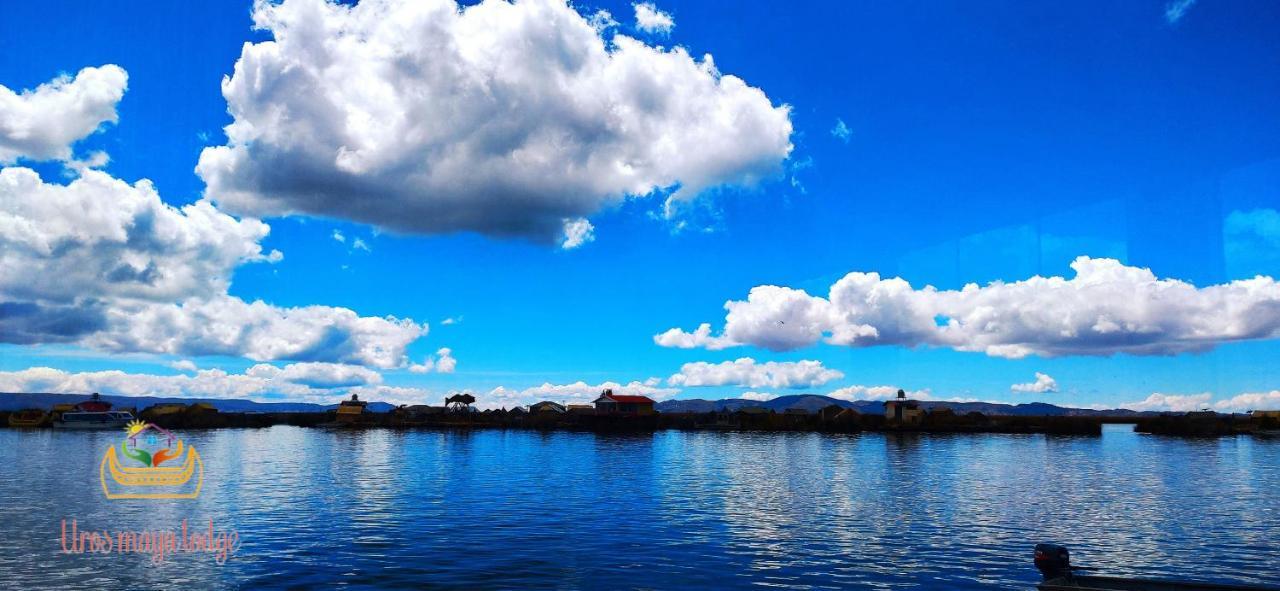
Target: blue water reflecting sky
[[502, 509]]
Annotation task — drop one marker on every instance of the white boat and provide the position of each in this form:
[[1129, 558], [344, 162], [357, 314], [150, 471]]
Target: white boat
[[94, 413], [110, 419]]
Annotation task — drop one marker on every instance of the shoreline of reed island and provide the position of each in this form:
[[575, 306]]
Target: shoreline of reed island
[[614, 413], [846, 422]]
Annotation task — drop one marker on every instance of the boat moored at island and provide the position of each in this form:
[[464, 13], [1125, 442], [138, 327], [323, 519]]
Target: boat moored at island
[[28, 418], [94, 413], [1054, 563]]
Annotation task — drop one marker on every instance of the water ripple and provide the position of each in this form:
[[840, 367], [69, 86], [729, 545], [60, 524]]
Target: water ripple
[[504, 509]]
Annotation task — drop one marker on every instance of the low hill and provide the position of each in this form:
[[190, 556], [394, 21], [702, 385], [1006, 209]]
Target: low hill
[[814, 402]]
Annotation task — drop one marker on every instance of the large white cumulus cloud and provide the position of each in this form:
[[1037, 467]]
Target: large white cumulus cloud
[[501, 118], [99, 235], [42, 124], [106, 264], [1107, 308], [227, 325]]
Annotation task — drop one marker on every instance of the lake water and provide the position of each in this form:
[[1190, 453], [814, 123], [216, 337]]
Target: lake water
[[518, 509]]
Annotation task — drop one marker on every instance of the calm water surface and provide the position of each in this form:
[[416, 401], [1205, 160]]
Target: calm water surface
[[495, 509]]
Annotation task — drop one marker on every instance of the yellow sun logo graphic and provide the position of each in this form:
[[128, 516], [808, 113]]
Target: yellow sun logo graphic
[[134, 427]]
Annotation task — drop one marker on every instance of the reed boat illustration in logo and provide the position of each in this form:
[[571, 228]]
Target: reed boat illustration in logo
[[159, 466]]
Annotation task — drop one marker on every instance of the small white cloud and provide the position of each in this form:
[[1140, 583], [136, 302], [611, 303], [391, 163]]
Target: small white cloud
[[602, 21], [577, 392], [184, 365], [339, 237], [1250, 401], [445, 363], [1171, 402], [451, 321], [1044, 383], [324, 375], [1175, 10], [746, 372], [322, 383], [794, 167], [42, 124], [442, 362], [96, 159], [577, 232], [841, 131], [700, 338], [854, 393], [758, 396], [359, 244], [651, 20]]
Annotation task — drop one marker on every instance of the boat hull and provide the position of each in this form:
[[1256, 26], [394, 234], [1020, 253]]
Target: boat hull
[[91, 426], [1097, 583], [97, 424], [95, 419], [28, 419]]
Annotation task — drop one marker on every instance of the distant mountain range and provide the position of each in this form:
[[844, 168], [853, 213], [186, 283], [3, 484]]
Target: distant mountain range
[[17, 401], [814, 402], [809, 402]]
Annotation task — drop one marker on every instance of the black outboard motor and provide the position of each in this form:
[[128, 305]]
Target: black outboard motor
[[1054, 561]]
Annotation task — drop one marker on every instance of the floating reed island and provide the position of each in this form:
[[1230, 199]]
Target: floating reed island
[[1207, 423], [612, 412]]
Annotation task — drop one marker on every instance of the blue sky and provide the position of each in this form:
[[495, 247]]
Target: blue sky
[[976, 143]]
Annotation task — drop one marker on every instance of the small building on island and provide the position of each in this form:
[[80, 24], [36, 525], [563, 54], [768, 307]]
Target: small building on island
[[615, 404], [835, 412], [902, 411], [546, 406], [460, 403], [349, 411]]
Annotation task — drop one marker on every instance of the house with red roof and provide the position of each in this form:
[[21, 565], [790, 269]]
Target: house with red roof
[[613, 404]]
